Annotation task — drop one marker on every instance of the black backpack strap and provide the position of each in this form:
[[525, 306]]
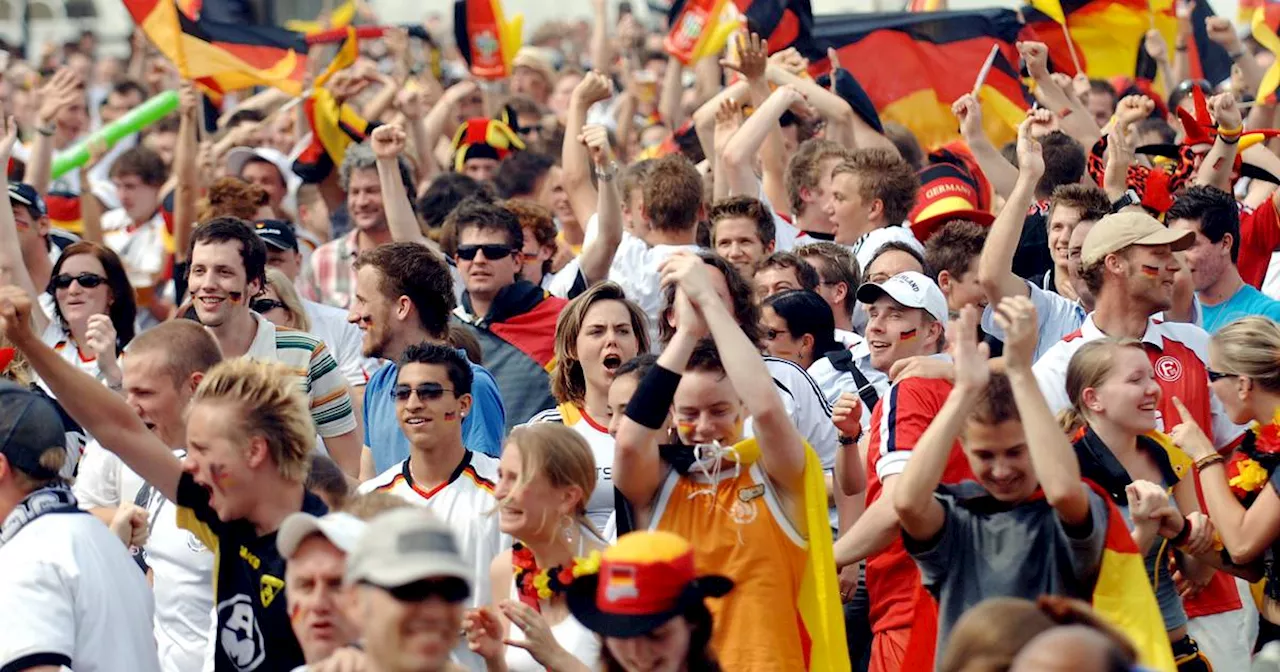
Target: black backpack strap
[[143, 499], [842, 360]]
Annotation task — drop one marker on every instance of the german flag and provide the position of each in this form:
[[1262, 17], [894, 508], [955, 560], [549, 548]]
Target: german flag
[[333, 127], [915, 65], [927, 5], [1265, 24], [702, 27], [223, 57], [488, 41]]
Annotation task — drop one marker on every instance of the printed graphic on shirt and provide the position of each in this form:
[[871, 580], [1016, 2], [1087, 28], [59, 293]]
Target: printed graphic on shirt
[[239, 637]]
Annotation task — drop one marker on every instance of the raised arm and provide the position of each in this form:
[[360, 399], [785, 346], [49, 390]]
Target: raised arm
[[575, 161], [13, 268], [597, 255], [1076, 120], [781, 448], [704, 119], [441, 116], [919, 513], [999, 172], [1215, 170], [1052, 458], [1221, 30], [387, 142], [412, 103], [101, 412], [63, 89], [672, 92], [841, 121], [995, 265], [601, 55], [763, 139]]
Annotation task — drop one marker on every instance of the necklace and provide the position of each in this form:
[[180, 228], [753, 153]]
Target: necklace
[[534, 584], [1255, 460]]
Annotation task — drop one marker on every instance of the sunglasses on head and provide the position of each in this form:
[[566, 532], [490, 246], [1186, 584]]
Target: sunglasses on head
[[264, 305], [86, 280], [491, 252], [452, 591], [425, 391]]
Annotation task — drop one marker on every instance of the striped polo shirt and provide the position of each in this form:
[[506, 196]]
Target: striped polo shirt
[[317, 373]]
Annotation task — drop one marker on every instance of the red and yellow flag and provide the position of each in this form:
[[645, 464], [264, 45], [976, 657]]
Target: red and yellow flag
[[334, 126]]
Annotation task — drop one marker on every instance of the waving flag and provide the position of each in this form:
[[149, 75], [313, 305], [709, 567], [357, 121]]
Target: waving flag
[[488, 41], [915, 65], [334, 126], [700, 28], [1265, 22]]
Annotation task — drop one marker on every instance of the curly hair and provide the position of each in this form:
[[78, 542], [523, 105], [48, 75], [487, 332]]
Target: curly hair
[[231, 197]]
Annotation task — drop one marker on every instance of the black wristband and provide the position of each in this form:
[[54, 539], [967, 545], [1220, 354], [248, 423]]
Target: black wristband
[[1182, 536], [651, 402]]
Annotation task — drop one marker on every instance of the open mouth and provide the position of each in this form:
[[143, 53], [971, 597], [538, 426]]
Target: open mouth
[[210, 302], [612, 362]]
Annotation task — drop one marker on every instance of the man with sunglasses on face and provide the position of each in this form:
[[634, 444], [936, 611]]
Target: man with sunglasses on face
[[433, 395], [514, 319]]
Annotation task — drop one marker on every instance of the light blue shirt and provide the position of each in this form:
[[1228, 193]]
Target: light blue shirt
[[482, 429], [1245, 302]]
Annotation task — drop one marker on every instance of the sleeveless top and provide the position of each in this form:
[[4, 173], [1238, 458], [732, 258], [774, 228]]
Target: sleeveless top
[[572, 636], [738, 528]]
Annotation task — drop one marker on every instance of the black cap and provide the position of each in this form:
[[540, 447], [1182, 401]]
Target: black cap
[[27, 195], [277, 233], [29, 426]]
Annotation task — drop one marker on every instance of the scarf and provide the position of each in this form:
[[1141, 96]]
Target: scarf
[[51, 499]]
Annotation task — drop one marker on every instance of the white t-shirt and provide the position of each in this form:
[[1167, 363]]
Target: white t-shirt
[[600, 505], [72, 596], [467, 504], [833, 382], [635, 269], [182, 566], [141, 248], [1056, 317], [864, 249], [344, 339]]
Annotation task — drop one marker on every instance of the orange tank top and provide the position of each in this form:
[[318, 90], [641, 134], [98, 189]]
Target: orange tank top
[[739, 529]]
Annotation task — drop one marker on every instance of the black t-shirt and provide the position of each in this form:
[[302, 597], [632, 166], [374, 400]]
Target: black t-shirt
[[254, 632], [1032, 257]]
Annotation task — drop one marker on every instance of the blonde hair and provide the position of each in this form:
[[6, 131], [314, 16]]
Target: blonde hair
[[568, 383], [273, 407], [1250, 347], [19, 370], [284, 289], [1089, 367], [558, 453], [370, 504]]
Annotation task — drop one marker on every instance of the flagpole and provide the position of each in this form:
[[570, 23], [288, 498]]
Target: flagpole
[[1075, 60], [986, 69]]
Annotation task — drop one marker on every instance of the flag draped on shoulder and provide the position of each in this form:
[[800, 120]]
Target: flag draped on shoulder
[[222, 57], [334, 125], [915, 65]]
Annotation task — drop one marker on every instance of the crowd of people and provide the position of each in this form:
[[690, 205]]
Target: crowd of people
[[623, 363]]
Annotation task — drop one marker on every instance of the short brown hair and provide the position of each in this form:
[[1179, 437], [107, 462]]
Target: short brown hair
[[366, 506], [840, 266], [954, 247], [142, 163], [633, 177], [413, 270], [802, 170], [568, 382], [187, 346], [1091, 201], [806, 274], [745, 207], [538, 220], [672, 194], [883, 176], [996, 404]]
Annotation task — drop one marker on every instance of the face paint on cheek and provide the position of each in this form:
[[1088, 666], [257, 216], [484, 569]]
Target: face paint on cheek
[[450, 416], [685, 430], [907, 335], [296, 613], [218, 474], [236, 297], [1150, 271]]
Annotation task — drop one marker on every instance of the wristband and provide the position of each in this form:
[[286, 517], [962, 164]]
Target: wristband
[[651, 403], [1181, 537], [1208, 461], [846, 440], [47, 130]]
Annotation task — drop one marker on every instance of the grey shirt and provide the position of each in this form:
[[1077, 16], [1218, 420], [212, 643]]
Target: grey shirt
[[988, 549]]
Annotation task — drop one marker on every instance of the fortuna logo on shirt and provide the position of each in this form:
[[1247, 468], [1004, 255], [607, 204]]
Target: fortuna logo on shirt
[[240, 638], [270, 587], [1169, 369]]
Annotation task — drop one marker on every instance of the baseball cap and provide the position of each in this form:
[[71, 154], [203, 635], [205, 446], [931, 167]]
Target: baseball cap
[[912, 290], [239, 156], [1122, 229], [21, 192], [403, 546], [277, 233], [29, 426], [341, 529]]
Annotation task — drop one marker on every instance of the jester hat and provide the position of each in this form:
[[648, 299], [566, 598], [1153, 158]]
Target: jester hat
[[482, 138]]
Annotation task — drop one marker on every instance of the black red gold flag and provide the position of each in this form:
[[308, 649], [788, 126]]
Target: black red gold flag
[[486, 39], [334, 125]]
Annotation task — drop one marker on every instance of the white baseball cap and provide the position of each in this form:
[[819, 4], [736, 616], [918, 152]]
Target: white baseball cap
[[237, 157], [911, 289], [341, 529]]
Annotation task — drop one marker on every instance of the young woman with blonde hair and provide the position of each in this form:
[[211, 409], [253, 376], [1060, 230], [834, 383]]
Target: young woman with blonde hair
[[597, 333], [1240, 490], [280, 303], [545, 479]]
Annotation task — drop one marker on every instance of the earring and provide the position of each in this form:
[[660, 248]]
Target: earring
[[567, 525]]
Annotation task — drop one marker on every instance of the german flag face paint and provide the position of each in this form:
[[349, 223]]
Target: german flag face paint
[[1151, 271], [236, 297], [907, 335]]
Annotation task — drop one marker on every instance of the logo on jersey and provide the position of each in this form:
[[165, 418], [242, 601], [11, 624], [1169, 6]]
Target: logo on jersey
[[194, 544], [1168, 369], [239, 636], [271, 586]]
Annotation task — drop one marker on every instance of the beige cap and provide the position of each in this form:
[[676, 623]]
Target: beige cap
[[405, 545], [1116, 232], [535, 58]]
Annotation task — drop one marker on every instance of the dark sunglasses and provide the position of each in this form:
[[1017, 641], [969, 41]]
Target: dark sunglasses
[[1215, 376], [491, 252], [452, 591], [86, 280], [425, 391], [265, 305]]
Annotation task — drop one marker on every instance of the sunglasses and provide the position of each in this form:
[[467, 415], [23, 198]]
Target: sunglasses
[[452, 591], [1215, 376], [265, 305], [425, 392], [491, 252], [86, 280]]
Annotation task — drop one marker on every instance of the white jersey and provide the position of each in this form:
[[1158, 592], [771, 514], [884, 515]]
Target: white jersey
[[865, 248], [834, 377], [141, 246], [600, 505], [344, 339], [73, 598], [807, 408], [182, 567], [467, 504], [635, 269]]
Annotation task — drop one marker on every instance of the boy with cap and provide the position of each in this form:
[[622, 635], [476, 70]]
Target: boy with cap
[[1128, 263], [72, 593], [316, 549]]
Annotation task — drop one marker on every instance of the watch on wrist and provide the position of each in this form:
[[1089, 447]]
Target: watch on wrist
[[1129, 198], [47, 130], [607, 173]]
